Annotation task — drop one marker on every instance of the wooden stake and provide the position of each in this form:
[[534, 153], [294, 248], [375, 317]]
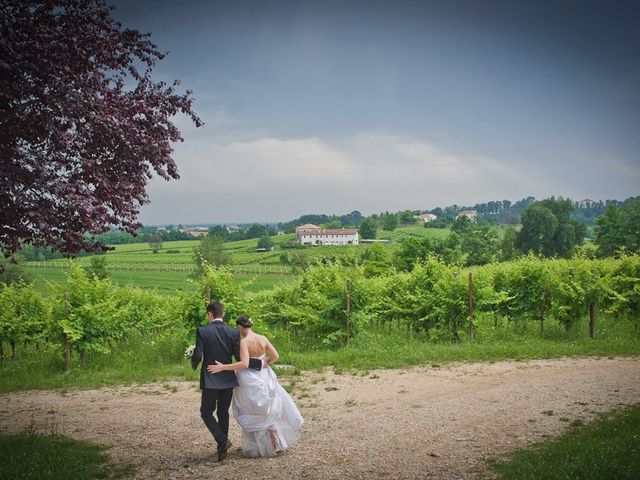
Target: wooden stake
[[67, 340], [347, 326], [472, 327], [592, 320]]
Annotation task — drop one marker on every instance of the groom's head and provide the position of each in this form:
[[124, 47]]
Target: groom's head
[[215, 310]]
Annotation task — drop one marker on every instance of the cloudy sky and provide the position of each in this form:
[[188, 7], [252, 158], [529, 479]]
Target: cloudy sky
[[332, 106]]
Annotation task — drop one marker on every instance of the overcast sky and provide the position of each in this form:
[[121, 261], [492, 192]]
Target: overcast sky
[[333, 106]]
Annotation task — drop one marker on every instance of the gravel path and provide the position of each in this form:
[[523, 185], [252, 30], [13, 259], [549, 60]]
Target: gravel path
[[421, 422]]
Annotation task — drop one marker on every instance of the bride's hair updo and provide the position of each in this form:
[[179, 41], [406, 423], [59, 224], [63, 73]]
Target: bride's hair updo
[[244, 321]]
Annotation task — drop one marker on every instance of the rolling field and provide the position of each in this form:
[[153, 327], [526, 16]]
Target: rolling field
[[164, 282], [136, 264], [414, 231]]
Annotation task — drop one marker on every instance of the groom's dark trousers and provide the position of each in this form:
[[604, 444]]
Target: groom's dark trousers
[[216, 342], [218, 401]]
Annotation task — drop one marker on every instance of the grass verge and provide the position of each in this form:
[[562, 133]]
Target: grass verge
[[33, 456], [137, 360], [606, 449], [159, 358]]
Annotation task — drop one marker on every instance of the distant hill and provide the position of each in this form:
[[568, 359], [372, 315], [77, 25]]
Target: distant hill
[[498, 211]]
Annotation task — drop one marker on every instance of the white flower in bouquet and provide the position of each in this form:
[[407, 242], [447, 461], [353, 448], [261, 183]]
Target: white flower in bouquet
[[189, 351]]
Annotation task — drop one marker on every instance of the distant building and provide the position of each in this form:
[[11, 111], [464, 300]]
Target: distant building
[[195, 231], [310, 234], [470, 214], [427, 217], [586, 203]]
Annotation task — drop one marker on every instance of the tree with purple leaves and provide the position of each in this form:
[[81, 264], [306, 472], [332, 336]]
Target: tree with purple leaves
[[83, 127]]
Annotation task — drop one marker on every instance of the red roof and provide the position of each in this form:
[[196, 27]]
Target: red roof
[[310, 229]]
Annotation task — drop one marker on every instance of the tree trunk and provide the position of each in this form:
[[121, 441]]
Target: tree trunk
[[592, 320], [13, 348]]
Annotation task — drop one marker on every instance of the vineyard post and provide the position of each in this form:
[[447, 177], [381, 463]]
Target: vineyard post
[[207, 293], [592, 320], [347, 325], [472, 327], [543, 309], [67, 340], [454, 323]]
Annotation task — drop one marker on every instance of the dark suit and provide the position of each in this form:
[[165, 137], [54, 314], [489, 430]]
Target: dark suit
[[216, 342]]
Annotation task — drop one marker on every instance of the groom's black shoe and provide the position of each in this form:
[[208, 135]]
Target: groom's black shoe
[[222, 451]]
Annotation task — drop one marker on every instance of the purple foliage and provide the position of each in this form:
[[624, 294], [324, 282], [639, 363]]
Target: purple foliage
[[82, 125]]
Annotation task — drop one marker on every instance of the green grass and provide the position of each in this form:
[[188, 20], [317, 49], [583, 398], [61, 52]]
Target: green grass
[[396, 347], [404, 231], [159, 358], [607, 449], [137, 360], [29, 456]]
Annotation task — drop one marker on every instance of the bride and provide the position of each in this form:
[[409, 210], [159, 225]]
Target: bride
[[269, 419]]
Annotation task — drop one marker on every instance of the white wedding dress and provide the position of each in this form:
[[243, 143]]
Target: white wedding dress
[[269, 419]]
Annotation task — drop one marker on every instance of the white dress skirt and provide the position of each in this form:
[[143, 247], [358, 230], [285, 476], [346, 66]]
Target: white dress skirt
[[261, 406]]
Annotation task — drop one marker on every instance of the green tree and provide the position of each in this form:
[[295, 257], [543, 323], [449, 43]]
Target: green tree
[[256, 231], [570, 233], [211, 251], [539, 226], [547, 229], [479, 244], [508, 244], [411, 251], [377, 261], [449, 250], [333, 224], [632, 221], [155, 242], [389, 221], [406, 217], [299, 262], [369, 228], [462, 225], [219, 231], [618, 229], [265, 242]]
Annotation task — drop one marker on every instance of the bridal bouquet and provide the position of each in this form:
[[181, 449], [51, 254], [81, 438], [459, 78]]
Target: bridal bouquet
[[189, 351]]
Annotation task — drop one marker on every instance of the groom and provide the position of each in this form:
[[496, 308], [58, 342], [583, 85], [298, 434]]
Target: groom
[[216, 341]]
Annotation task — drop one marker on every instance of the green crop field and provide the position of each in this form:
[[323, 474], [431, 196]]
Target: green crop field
[[164, 282], [137, 265], [414, 231]]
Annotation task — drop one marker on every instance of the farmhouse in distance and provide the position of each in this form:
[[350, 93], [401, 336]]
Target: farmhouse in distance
[[310, 234]]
